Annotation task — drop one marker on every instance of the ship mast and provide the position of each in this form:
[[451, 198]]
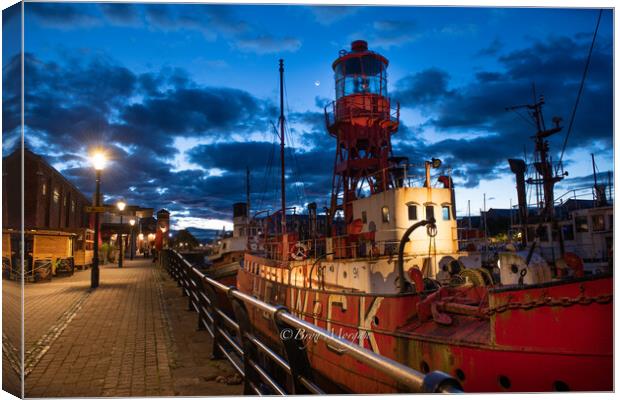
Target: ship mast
[[247, 191], [282, 147], [545, 176]]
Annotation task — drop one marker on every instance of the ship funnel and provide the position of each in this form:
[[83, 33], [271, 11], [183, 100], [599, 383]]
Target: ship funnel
[[517, 166]]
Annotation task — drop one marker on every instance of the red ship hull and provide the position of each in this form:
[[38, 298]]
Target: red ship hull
[[550, 337]]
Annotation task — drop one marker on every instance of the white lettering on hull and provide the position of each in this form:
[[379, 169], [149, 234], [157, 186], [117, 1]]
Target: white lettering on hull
[[365, 330], [299, 308]]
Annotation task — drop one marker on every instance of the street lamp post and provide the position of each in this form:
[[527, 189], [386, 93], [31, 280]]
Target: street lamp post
[[98, 161], [132, 222], [121, 207]]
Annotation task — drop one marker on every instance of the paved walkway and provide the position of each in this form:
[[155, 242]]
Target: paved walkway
[[130, 337]]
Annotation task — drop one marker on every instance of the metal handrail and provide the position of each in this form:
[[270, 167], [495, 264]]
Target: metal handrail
[[182, 271]]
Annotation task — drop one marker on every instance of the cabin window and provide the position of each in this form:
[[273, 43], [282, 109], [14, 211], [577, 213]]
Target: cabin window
[[364, 217], [445, 213], [598, 223], [385, 214], [412, 210], [430, 212], [44, 189], [581, 224], [567, 232], [56, 195]]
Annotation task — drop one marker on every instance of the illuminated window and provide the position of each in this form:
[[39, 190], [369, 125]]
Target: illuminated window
[[445, 213], [385, 214], [412, 209], [581, 224], [598, 223], [56, 196], [44, 189]]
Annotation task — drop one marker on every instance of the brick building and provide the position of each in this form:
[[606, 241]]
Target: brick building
[[50, 200]]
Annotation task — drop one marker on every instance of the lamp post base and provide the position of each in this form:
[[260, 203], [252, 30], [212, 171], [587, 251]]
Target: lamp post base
[[94, 277]]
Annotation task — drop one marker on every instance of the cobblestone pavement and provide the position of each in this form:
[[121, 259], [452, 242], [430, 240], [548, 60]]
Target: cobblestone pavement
[[11, 337], [193, 372], [125, 338], [108, 342]]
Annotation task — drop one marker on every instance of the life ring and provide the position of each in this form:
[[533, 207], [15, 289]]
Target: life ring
[[574, 262], [299, 251]]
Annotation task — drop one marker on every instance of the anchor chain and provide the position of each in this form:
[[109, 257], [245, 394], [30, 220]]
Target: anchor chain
[[550, 302]]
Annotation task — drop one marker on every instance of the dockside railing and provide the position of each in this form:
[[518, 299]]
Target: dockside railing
[[222, 312]]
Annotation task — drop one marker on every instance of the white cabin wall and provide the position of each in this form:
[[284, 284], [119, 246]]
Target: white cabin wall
[[397, 201]]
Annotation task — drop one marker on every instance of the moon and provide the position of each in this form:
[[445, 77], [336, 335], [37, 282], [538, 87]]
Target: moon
[[317, 83]]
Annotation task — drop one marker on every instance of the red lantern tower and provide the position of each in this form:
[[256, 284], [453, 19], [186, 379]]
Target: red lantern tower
[[362, 121]]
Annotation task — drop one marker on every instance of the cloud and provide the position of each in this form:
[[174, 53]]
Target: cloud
[[63, 15], [75, 105], [327, 15], [554, 64], [423, 88], [121, 13], [492, 49], [264, 44], [387, 34], [219, 22], [212, 21]]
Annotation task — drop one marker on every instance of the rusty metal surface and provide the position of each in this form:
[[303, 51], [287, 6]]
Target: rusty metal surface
[[519, 349]]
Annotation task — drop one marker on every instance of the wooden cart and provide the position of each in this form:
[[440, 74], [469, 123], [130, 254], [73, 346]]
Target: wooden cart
[[7, 255], [46, 253], [52, 251], [83, 247]]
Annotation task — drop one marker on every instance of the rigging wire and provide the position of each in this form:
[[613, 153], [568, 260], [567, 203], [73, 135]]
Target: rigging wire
[[268, 173], [300, 191], [583, 79], [523, 117]]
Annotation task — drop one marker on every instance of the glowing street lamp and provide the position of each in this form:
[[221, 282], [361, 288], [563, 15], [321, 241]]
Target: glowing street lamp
[[98, 160], [121, 207]]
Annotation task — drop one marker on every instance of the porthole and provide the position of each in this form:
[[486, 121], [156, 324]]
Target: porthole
[[376, 320], [424, 367], [560, 386], [504, 381]]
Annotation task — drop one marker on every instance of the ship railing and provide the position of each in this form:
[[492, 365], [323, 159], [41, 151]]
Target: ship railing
[[584, 193], [373, 107], [223, 313], [341, 247]]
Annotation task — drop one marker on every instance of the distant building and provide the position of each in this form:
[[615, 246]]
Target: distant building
[[50, 200]]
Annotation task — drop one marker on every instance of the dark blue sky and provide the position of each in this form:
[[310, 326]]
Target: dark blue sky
[[184, 96]]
